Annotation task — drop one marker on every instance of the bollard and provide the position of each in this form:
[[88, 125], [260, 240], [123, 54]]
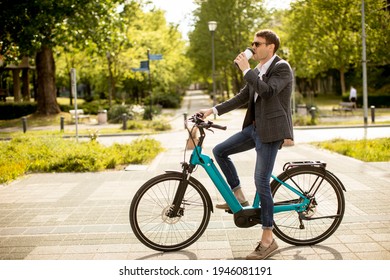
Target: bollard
[[373, 114], [185, 120], [24, 124], [62, 124], [124, 121], [313, 114]]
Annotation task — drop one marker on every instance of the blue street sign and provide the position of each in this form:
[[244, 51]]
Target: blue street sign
[[144, 67], [139, 69], [155, 56], [145, 64]]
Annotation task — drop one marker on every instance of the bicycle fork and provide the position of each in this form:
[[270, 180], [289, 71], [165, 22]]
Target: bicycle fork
[[176, 210]]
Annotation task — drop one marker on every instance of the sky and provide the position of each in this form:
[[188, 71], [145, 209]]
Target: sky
[[179, 11]]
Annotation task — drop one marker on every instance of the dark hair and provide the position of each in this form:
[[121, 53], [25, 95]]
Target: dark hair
[[270, 37]]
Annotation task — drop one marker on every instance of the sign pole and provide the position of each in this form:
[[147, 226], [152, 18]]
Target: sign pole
[[150, 87], [74, 93], [145, 66]]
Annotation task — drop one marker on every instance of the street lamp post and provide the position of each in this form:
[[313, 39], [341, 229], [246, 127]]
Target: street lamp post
[[364, 67], [212, 28]]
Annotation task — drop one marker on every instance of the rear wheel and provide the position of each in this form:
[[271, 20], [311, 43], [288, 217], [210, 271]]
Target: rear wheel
[[322, 216], [152, 222]]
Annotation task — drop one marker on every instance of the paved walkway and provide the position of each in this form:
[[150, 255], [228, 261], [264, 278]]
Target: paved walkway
[[85, 215]]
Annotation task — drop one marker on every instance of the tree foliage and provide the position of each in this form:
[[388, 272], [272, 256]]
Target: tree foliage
[[105, 39], [106, 59], [318, 38], [237, 21], [102, 39], [325, 35], [36, 27]]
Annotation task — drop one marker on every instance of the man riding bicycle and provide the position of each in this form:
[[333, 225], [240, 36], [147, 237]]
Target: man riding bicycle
[[266, 126]]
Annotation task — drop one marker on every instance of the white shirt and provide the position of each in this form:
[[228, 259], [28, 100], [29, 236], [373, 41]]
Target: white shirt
[[352, 93], [262, 70]]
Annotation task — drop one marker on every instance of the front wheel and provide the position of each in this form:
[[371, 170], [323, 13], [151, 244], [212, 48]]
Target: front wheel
[[322, 216], [150, 216]]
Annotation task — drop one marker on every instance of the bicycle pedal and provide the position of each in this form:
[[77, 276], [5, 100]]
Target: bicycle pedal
[[228, 211]]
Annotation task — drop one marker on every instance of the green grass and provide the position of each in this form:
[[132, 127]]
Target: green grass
[[65, 101], [375, 150], [27, 154]]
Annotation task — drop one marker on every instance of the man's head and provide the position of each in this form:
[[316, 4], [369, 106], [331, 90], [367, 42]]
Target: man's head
[[265, 44]]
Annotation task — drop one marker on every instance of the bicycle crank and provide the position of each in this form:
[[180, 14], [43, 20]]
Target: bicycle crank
[[247, 218]]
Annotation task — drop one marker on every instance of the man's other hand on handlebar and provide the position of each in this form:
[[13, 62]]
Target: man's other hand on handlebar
[[206, 112]]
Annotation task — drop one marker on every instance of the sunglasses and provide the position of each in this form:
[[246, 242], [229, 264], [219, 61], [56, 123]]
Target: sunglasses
[[258, 44]]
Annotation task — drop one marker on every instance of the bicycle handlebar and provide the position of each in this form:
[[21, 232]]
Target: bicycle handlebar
[[199, 122]]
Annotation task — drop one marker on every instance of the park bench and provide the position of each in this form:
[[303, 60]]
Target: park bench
[[345, 107], [80, 114]]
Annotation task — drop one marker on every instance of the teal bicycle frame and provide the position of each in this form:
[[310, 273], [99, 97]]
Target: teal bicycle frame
[[197, 158]]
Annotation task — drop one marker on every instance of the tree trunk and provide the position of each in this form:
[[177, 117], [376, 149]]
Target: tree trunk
[[16, 85], [47, 98], [26, 85], [342, 80]]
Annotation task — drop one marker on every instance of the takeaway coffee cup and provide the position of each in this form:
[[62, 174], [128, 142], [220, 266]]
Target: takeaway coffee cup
[[248, 54]]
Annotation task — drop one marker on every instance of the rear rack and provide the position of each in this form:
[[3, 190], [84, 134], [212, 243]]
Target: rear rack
[[315, 163]]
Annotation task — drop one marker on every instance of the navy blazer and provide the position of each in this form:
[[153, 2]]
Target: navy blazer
[[272, 109]]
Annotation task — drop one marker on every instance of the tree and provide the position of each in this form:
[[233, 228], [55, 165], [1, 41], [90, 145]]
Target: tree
[[131, 32], [36, 27], [237, 21], [325, 35]]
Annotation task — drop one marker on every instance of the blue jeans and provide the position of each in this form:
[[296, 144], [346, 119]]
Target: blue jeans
[[265, 159]]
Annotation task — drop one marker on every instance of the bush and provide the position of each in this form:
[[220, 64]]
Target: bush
[[9, 111], [135, 125], [55, 154], [138, 152], [159, 125], [115, 113], [154, 125], [66, 107], [156, 110], [171, 100], [93, 107]]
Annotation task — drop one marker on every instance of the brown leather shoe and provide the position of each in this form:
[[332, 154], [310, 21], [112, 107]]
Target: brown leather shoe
[[261, 252], [224, 206]]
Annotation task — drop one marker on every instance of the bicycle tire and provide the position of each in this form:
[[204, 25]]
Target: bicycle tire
[[148, 213], [324, 215]]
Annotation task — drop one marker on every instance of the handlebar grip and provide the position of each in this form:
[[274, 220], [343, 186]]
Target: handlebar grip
[[224, 127]]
